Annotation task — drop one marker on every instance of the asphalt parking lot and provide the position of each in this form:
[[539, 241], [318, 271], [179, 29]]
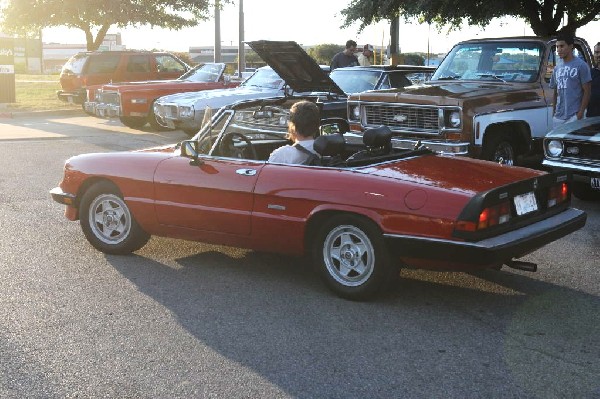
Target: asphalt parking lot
[[181, 319]]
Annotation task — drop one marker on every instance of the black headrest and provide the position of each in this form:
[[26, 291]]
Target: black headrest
[[329, 145], [377, 137]]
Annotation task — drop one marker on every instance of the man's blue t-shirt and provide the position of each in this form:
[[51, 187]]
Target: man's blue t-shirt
[[567, 79]]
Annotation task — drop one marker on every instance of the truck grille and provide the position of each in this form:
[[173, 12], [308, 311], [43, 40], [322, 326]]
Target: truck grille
[[402, 117], [582, 151], [109, 97]]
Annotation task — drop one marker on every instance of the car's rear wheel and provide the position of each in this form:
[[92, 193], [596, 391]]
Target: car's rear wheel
[[352, 259], [107, 222], [500, 149], [134, 122], [585, 192]]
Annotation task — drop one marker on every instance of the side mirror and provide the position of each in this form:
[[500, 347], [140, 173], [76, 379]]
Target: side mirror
[[189, 149], [226, 79]]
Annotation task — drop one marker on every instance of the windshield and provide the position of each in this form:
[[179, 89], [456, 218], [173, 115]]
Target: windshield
[[204, 73], [264, 78], [355, 81], [497, 61], [75, 63]]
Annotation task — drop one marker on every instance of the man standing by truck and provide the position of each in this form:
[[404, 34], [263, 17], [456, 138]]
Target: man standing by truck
[[571, 83], [594, 106]]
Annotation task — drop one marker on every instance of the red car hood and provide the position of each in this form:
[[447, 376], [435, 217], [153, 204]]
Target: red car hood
[[452, 173]]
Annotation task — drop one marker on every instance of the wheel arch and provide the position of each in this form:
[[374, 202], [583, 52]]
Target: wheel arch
[[518, 131], [319, 217]]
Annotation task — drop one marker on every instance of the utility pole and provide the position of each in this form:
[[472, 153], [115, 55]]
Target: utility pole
[[241, 52], [394, 39], [217, 55]]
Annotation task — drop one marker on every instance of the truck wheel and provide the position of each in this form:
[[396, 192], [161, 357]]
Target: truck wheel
[[134, 122], [500, 149], [584, 192]]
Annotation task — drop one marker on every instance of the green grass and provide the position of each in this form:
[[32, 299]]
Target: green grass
[[37, 93]]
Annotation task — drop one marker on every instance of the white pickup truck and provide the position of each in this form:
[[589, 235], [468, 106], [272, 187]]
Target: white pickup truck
[[488, 99]]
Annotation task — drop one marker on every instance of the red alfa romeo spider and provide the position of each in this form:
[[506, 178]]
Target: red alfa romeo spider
[[363, 212]]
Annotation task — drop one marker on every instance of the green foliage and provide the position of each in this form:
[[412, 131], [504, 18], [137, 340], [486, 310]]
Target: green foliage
[[323, 53], [544, 16], [413, 59], [97, 16]]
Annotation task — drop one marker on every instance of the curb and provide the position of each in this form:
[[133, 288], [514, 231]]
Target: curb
[[53, 112]]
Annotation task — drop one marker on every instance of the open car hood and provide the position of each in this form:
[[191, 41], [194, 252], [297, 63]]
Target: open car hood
[[297, 68]]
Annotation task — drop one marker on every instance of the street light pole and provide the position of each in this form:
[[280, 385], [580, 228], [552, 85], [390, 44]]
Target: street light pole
[[217, 55], [241, 52]]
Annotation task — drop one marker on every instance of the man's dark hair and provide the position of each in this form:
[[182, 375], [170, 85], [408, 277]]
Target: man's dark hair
[[305, 117], [350, 43], [565, 37]]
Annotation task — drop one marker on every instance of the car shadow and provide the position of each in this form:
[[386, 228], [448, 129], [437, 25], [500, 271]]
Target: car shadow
[[271, 314]]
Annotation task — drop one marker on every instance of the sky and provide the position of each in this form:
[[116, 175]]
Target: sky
[[311, 22]]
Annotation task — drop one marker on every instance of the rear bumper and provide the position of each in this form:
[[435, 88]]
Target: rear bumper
[[72, 97], [494, 250]]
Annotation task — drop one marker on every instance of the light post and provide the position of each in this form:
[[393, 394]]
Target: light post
[[241, 52]]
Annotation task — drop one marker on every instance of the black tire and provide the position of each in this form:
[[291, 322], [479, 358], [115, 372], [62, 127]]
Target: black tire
[[134, 122], [584, 192], [351, 257], [107, 222], [500, 149]]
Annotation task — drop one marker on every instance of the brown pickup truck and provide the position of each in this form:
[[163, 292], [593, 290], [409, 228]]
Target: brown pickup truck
[[488, 99]]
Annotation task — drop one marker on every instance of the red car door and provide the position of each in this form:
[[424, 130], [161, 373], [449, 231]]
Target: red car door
[[216, 195]]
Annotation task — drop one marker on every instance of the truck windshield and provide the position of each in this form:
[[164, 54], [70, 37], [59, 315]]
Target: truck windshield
[[495, 61]]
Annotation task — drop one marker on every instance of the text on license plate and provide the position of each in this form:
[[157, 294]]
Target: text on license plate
[[525, 203], [595, 183]]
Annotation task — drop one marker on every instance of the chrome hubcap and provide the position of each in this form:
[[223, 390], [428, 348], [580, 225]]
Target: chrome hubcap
[[109, 218], [349, 255]]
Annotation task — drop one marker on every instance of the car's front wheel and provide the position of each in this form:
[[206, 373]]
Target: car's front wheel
[[352, 259], [134, 122], [107, 222]]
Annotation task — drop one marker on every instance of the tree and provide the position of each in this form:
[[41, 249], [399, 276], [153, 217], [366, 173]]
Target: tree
[[323, 53], [98, 16], [544, 16]]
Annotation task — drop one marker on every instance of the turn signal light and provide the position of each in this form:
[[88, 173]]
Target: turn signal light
[[489, 217], [494, 215], [558, 194]]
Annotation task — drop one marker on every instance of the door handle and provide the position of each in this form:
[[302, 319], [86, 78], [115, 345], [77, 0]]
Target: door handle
[[246, 172]]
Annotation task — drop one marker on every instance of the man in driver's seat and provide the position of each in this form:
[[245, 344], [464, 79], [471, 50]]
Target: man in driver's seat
[[303, 127]]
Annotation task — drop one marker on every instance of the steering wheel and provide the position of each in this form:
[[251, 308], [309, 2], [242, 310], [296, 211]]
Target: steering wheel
[[228, 148]]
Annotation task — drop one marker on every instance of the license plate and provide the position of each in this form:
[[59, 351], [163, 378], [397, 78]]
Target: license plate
[[70, 100], [595, 183], [525, 203]]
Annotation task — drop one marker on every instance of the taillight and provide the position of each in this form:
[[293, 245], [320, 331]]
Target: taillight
[[494, 215], [558, 194], [488, 217]]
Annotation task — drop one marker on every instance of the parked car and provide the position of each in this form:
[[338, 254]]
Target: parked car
[[133, 102], [365, 211], [575, 147], [488, 99], [97, 67], [289, 67]]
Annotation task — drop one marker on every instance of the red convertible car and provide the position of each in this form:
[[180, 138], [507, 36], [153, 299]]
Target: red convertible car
[[363, 212]]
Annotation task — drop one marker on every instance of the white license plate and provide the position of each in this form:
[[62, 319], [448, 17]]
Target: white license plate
[[595, 183], [525, 203], [70, 100]]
